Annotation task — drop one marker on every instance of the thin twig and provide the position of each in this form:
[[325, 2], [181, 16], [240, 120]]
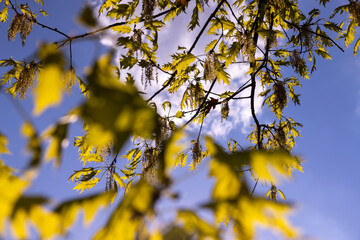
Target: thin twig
[[318, 34], [190, 50], [202, 104], [252, 192]]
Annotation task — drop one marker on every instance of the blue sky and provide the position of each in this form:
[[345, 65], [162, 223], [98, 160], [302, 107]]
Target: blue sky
[[326, 195]]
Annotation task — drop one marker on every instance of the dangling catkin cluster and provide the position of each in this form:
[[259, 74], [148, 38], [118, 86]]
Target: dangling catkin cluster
[[280, 137], [307, 37], [136, 37], [110, 182], [148, 8], [273, 193], [280, 100], [20, 24], [149, 164], [196, 153], [296, 61], [280, 4], [203, 2], [26, 79], [272, 40], [247, 46], [225, 110], [164, 133], [106, 150], [354, 9], [196, 94], [147, 75], [210, 66], [69, 79]]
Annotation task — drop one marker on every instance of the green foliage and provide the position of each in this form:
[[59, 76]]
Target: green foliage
[[274, 40]]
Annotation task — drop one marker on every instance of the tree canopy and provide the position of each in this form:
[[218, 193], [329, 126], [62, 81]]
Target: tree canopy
[[143, 110]]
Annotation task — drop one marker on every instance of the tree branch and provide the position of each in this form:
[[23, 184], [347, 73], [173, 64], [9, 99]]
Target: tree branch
[[202, 104], [190, 50], [318, 34]]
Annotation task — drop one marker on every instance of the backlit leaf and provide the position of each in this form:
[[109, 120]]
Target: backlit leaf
[[82, 185], [3, 143], [49, 89], [130, 214], [57, 135]]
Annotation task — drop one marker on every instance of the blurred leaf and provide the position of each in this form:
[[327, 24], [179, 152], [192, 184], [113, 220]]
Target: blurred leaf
[[87, 18], [33, 145], [130, 214], [3, 143], [223, 168], [11, 189], [90, 205], [57, 135], [176, 233], [48, 91], [194, 224], [174, 146], [114, 110]]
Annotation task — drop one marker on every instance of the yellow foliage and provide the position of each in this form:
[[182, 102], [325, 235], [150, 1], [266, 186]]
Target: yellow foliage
[[57, 135], [3, 143], [27, 130], [194, 224], [19, 224], [128, 217], [11, 188], [223, 168], [174, 147], [46, 222], [82, 185], [265, 164], [68, 211], [227, 185], [49, 89], [98, 136]]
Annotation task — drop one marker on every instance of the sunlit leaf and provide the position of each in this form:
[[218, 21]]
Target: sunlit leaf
[[83, 185], [3, 14], [194, 224], [90, 205], [86, 17], [48, 91], [129, 214], [57, 135], [3, 143], [223, 168], [33, 145], [118, 180]]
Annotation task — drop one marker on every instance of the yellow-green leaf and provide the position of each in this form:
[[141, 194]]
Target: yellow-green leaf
[[121, 29], [3, 143], [48, 91], [4, 14], [57, 136], [82, 185], [118, 180], [185, 62]]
